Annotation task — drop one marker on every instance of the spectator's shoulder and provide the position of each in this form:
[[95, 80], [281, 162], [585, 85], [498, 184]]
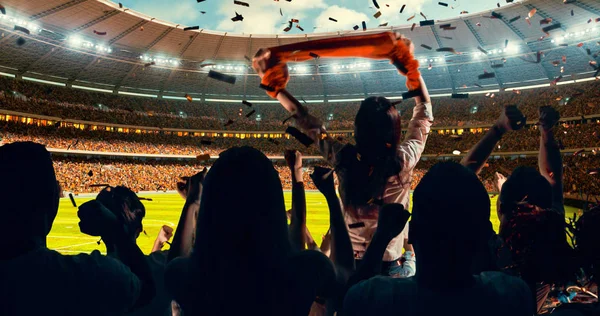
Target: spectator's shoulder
[[513, 291], [379, 294]]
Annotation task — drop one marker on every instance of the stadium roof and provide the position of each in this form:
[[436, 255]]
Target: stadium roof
[[95, 43]]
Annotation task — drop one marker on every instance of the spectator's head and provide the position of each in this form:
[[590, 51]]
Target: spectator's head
[[126, 205], [369, 164], [29, 194], [241, 233], [536, 239], [451, 216], [377, 128], [525, 184]]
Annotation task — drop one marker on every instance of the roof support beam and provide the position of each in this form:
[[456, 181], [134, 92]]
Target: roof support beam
[[97, 20], [545, 15], [218, 47], [56, 9], [165, 83], [146, 49], [440, 44], [110, 42], [474, 32]]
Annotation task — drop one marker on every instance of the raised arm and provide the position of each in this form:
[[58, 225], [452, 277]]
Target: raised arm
[[342, 254], [298, 217], [183, 239], [510, 119], [391, 222], [549, 159], [418, 128]]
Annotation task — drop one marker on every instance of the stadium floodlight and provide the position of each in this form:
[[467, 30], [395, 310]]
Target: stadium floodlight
[[456, 152], [74, 40]]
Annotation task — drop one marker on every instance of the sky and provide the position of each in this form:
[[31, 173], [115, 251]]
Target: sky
[[263, 16]]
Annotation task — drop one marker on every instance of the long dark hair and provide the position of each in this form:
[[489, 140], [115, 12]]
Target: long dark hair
[[365, 168], [239, 257]]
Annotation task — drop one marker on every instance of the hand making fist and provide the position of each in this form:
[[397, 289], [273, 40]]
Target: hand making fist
[[392, 220], [511, 119], [549, 117]]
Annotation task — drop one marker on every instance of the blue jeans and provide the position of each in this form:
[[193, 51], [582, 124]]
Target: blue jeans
[[404, 267]]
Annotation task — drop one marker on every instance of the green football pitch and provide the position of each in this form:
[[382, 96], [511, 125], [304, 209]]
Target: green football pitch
[[164, 209]]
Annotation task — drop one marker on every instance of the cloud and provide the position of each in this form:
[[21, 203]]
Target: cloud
[[392, 14], [346, 19], [262, 17], [177, 12]]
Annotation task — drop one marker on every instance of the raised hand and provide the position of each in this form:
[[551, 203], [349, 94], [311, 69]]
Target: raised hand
[[549, 117], [392, 220], [511, 119], [192, 184], [499, 180], [323, 180], [165, 234]]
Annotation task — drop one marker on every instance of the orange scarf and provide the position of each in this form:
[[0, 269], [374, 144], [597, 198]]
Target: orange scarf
[[373, 46]]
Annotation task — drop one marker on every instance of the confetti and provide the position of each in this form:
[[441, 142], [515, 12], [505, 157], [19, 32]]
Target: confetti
[[332, 19], [356, 27], [514, 19], [364, 25], [250, 114], [21, 29], [423, 15], [546, 21], [427, 22], [402, 9], [532, 13], [72, 200], [384, 24], [482, 50], [443, 4], [426, 46], [120, 5], [101, 185], [376, 4], [412, 17], [377, 14], [460, 95], [496, 15], [243, 4], [149, 64], [301, 137], [488, 75], [412, 28], [190, 28], [98, 33], [221, 77], [237, 17], [551, 27], [448, 49]]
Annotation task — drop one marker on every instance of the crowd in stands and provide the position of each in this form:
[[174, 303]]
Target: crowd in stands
[[77, 174], [233, 251], [574, 100], [571, 136]]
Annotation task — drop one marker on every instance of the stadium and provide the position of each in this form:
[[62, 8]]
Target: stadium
[[122, 98]]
